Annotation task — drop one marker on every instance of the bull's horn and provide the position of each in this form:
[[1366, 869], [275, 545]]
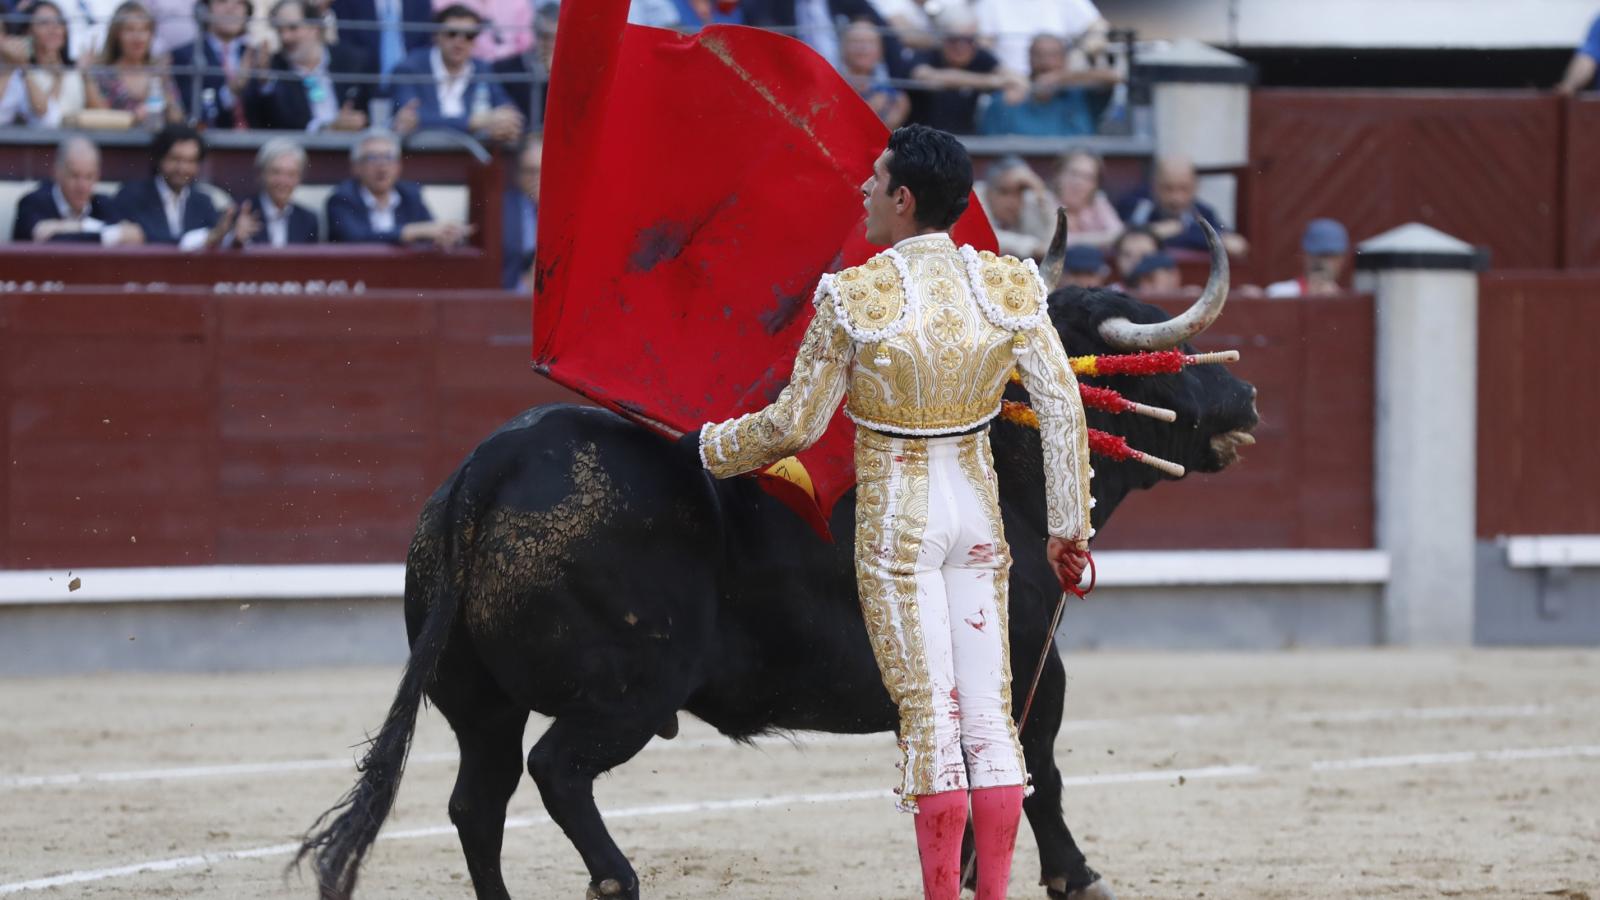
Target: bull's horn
[[1126, 335], [1056, 256]]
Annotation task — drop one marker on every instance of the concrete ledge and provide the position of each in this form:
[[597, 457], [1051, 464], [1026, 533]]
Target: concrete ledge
[[1138, 568], [175, 583], [167, 584], [1544, 551]]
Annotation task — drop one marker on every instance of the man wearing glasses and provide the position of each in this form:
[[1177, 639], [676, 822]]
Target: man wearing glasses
[[376, 207], [444, 87], [956, 73]]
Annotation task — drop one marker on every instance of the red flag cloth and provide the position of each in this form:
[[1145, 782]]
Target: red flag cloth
[[694, 190]]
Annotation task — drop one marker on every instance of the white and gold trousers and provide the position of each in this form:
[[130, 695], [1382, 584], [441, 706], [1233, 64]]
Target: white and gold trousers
[[932, 566]]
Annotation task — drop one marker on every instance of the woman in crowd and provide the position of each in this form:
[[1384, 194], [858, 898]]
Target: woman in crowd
[[54, 88], [1091, 219], [130, 77]]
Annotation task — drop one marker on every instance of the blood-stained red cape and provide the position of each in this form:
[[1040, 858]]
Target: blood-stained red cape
[[694, 190]]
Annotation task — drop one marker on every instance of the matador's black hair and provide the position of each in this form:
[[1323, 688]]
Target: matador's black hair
[[937, 169]]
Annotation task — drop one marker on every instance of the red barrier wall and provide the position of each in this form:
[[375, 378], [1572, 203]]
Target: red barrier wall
[[1581, 191], [1484, 167], [187, 428], [190, 428], [1308, 482], [1538, 393]]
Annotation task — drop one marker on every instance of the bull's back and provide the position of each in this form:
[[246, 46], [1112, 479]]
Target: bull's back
[[586, 546]]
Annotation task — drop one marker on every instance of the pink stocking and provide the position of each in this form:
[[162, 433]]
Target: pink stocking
[[996, 813], [941, 821]]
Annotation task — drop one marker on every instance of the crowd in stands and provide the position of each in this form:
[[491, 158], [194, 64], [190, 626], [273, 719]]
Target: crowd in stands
[[381, 70], [1036, 67]]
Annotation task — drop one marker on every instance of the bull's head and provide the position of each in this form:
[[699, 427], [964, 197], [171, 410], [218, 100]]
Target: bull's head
[[1216, 411]]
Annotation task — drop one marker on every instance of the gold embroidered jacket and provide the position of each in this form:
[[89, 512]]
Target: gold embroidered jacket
[[923, 339]]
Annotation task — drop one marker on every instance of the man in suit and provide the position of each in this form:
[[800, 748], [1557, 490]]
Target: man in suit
[[274, 219], [375, 206], [519, 222], [225, 54], [309, 87], [385, 30], [166, 206], [446, 87], [68, 209]]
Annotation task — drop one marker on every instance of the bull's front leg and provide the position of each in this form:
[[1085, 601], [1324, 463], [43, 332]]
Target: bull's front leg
[[1063, 870]]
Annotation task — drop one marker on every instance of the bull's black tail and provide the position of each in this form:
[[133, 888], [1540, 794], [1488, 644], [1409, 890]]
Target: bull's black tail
[[338, 847]]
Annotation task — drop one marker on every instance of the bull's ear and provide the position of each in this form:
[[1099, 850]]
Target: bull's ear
[[1056, 256]]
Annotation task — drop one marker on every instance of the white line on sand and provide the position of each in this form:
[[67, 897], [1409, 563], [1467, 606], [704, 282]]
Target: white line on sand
[[1070, 726], [747, 803]]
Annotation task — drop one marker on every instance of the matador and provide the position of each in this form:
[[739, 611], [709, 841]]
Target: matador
[[921, 340]]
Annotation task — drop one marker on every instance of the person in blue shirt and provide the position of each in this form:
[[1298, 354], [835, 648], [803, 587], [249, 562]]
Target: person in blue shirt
[[519, 223], [444, 87], [1581, 71], [1057, 101]]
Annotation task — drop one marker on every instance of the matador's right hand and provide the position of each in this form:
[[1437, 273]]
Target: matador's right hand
[[1069, 559]]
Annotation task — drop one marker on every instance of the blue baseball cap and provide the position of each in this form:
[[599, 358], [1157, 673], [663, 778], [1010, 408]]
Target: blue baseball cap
[[1152, 263], [1325, 237]]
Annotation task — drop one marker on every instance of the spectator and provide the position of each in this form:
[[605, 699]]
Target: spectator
[[528, 73], [52, 89], [654, 13], [1057, 103], [520, 217], [1581, 70], [1155, 274], [131, 78], [956, 74], [175, 24], [1128, 249], [375, 206], [68, 209], [275, 219], [387, 31], [1091, 219], [508, 26], [1012, 24], [1172, 212], [1323, 248], [912, 21], [1084, 266], [817, 23], [226, 58], [864, 69], [310, 86], [166, 206], [1020, 207], [447, 87], [694, 15]]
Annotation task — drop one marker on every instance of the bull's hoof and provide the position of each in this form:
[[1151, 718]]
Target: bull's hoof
[[611, 889], [1098, 889]]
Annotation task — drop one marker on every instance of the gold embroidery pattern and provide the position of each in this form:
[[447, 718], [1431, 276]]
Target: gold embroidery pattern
[[977, 463], [891, 515], [948, 365], [797, 418], [1047, 375]]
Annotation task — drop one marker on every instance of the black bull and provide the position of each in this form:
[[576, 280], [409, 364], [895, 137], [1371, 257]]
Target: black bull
[[579, 565]]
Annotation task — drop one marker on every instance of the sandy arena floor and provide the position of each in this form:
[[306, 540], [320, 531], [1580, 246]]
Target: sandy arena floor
[[1296, 775]]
